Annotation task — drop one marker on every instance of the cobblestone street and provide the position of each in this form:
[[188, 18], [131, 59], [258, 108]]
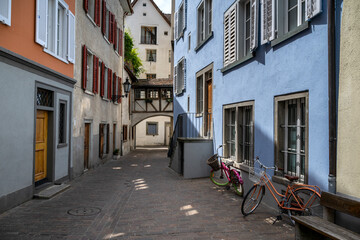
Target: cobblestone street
[[139, 197]]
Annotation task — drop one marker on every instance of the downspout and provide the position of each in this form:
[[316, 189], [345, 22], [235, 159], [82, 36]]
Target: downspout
[[332, 96]]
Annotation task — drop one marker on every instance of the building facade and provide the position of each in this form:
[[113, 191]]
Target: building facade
[[256, 74], [97, 125], [37, 65]]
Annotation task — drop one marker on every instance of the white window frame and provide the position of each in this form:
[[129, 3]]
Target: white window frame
[[105, 97], [149, 53], [204, 21], [91, 10], [180, 20], [5, 12]]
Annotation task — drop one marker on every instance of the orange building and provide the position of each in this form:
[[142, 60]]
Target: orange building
[[37, 57]]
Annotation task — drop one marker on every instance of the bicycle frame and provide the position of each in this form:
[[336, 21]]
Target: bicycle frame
[[290, 192], [228, 170]]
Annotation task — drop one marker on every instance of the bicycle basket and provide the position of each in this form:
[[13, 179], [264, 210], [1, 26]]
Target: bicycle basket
[[256, 175], [213, 162]]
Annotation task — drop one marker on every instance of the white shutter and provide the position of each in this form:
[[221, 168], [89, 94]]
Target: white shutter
[[312, 8], [175, 79], [253, 25], [230, 35], [176, 24], [184, 16], [183, 85], [71, 37], [41, 22], [267, 21], [5, 12]]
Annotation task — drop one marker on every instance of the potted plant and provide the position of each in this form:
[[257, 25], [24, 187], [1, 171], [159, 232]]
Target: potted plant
[[169, 100], [116, 154]]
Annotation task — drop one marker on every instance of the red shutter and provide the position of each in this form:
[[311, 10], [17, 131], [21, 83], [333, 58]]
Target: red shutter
[[103, 27], [97, 12], [115, 35], [97, 75], [86, 6], [84, 67], [110, 27], [114, 85], [95, 70], [121, 43], [119, 89], [102, 80], [109, 83]]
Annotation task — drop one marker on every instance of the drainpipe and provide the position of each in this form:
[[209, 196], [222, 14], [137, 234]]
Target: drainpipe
[[332, 95]]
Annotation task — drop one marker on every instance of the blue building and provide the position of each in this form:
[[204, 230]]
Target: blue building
[[254, 73]]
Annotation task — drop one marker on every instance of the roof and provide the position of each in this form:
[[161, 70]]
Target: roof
[[130, 73], [166, 18], [127, 6], [160, 82]]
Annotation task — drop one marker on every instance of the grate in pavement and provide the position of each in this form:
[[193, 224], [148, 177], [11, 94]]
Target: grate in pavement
[[84, 211]]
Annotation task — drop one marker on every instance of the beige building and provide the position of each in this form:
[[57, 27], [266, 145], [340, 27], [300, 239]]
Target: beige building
[[99, 71], [348, 164]]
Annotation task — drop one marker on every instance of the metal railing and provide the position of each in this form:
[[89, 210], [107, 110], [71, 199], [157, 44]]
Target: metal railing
[[191, 125]]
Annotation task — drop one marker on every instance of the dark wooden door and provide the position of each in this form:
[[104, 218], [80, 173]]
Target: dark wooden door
[[209, 107], [86, 145]]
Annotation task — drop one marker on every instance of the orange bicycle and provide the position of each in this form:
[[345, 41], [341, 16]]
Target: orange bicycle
[[299, 199]]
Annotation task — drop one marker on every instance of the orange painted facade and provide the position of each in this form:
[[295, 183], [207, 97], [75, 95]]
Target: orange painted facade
[[20, 36]]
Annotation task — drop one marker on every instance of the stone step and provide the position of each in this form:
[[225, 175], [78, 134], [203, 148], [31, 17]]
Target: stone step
[[51, 191]]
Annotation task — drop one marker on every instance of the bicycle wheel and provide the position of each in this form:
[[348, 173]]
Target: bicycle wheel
[[219, 177], [239, 188], [306, 199], [252, 199]]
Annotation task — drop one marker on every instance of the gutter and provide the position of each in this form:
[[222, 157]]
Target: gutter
[[332, 96]]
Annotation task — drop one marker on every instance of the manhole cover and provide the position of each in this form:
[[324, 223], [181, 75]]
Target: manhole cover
[[84, 211]]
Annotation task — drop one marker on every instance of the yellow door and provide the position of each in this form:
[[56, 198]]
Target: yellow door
[[41, 145]]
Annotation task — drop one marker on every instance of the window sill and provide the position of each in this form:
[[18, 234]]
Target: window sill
[[91, 20], [149, 44], [201, 44], [106, 39], [56, 56], [117, 53], [106, 100], [89, 93], [290, 34], [62, 145], [180, 36], [238, 62]]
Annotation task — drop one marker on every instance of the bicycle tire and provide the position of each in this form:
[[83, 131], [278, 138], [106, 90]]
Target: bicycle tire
[[252, 199], [305, 196], [238, 187], [215, 177]]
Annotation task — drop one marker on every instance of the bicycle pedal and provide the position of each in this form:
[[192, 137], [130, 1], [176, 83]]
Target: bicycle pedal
[[278, 218]]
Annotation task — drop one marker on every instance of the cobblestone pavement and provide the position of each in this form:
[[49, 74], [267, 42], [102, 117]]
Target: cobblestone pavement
[[139, 197]]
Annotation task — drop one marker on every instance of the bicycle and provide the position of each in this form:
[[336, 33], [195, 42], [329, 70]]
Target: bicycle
[[299, 199], [223, 173]]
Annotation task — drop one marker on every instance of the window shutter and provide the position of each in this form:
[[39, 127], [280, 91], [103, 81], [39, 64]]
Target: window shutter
[[86, 5], [184, 15], [41, 22], [97, 12], [84, 67], [71, 37], [114, 81], [119, 88], [103, 26], [176, 25], [110, 27], [95, 74], [312, 8], [5, 12], [120, 42], [183, 84], [175, 79], [230, 32], [267, 21], [253, 25], [115, 34], [107, 138], [109, 84], [102, 80]]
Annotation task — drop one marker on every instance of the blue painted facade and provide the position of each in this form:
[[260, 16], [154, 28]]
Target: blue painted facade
[[298, 64]]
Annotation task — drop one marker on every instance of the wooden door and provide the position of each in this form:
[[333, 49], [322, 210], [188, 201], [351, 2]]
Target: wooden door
[[114, 136], [86, 145], [41, 145], [209, 107], [167, 133]]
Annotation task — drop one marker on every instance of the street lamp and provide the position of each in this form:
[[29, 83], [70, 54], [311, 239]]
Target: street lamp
[[127, 86]]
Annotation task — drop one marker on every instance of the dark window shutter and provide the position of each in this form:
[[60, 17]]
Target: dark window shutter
[[109, 83], [120, 88], [115, 34], [86, 6], [84, 69], [107, 138], [101, 140], [95, 70], [114, 85], [121, 43], [97, 12], [110, 27], [103, 27], [102, 80], [97, 75]]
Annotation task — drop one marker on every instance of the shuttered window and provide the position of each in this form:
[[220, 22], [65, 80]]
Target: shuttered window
[[180, 77], [5, 12], [125, 133], [204, 20], [92, 9], [55, 28], [230, 35], [109, 84], [180, 20]]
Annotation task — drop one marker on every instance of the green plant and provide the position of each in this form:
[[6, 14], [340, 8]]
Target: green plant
[[116, 151], [132, 55], [148, 100]]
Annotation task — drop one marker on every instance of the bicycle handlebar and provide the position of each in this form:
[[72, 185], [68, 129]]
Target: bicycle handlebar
[[265, 167]]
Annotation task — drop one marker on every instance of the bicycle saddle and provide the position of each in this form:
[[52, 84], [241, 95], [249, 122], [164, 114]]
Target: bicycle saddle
[[291, 178]]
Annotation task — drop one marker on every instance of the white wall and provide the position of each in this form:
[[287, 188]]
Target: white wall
[[133, 23], [149, 140]]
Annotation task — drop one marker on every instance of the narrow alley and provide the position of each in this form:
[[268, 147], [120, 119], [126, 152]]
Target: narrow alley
[[139, 197]]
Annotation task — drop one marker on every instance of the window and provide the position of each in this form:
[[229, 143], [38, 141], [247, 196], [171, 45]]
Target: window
[[281, 17], [203, 82], [151, 128], [5, 12], [144, 14], [104, 81], [291, 124], [204, 21], [180, 77], [199, 94], [92, 9], [44, 97], [166, 33], [140, 94], [148, 35], [125, 133], [62, 123], [90, 71], [55, 29], [166, 93], [151, 55], [153, 94], [239, 132], [150, 76], [104, 139], [144, 4], [180, 20], [240, 31]]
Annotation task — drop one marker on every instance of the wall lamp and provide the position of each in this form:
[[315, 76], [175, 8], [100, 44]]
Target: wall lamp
[[127, 86]]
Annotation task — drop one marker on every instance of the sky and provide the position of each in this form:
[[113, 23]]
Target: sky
[[164, 5]]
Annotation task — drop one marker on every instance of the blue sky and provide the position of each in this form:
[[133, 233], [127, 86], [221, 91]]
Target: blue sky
[[164, 5]]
